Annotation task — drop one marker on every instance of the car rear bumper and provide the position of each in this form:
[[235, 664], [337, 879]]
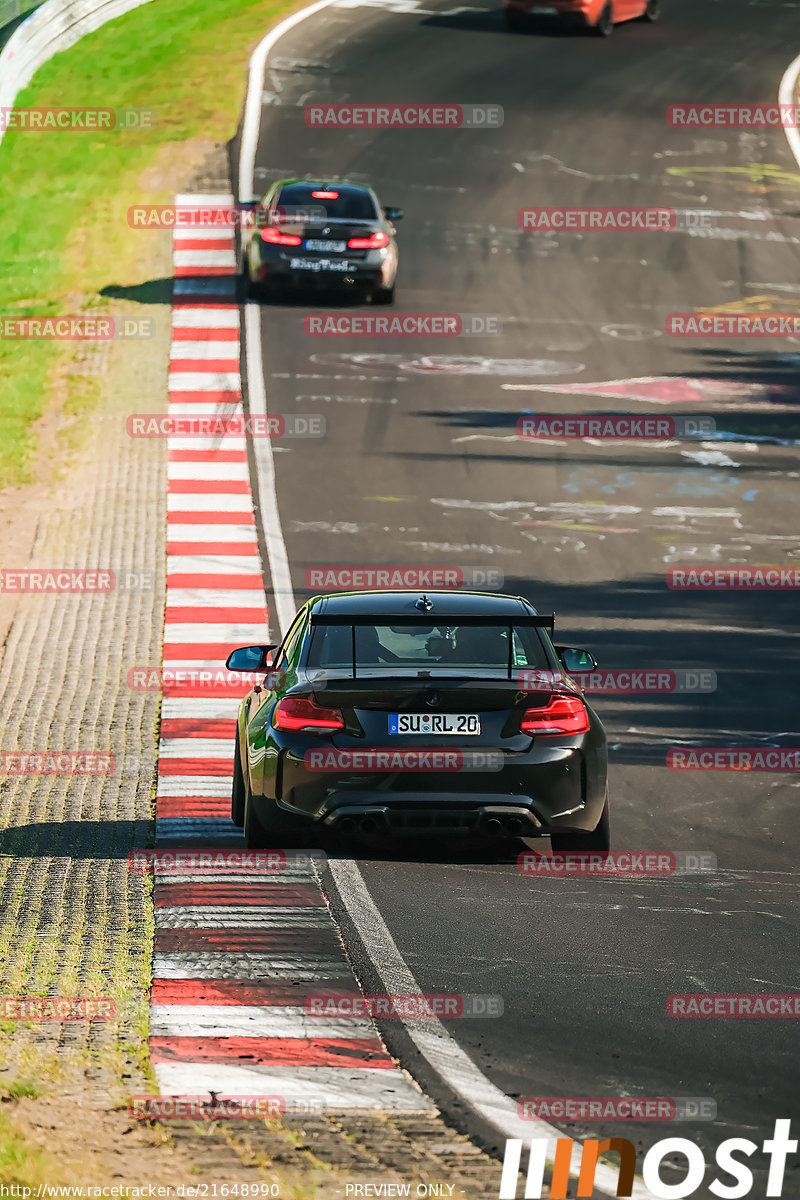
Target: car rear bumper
[[283, 273], [544, 790], [412, 814], [569, 14]]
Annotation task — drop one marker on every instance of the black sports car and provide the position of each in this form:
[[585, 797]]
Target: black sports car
[[325, 235], [450, 714]]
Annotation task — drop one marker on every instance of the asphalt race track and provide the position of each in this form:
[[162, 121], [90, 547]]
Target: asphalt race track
[[421, 466]]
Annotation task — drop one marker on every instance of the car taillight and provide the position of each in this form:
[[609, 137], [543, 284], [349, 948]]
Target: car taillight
[[300, 714], [561, 714], [376, 242], [277, 238]]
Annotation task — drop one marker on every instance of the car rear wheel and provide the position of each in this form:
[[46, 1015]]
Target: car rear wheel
[[237, 789], [605, 23], [652, 11], [255, 837], [383, 295], [575, 843], [272, 827]]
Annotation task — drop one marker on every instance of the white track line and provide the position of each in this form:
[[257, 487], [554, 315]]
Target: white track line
[[264, 484], [434, 1042], [787, 94]]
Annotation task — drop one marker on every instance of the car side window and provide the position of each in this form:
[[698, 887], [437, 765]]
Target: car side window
[[288, 648]]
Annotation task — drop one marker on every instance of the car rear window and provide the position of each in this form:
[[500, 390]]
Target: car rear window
[[347, 204], [439, 649]]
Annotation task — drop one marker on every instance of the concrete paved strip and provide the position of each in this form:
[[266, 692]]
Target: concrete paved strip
[[330, 1087]]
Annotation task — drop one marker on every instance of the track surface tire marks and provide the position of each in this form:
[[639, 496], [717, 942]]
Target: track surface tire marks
[[585, 966]]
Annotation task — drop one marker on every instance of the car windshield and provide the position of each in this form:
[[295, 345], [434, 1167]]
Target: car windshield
[[353, 204], [451, 649]]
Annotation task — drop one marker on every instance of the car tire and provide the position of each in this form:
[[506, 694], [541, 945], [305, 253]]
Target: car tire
[[576, 843], [255, 836], [271, 828], [237, 787], [652, 11], [605, 23], [383, 295]]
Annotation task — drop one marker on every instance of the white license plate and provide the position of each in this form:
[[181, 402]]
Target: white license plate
[[333, 247], [319, 264], [433, 723]]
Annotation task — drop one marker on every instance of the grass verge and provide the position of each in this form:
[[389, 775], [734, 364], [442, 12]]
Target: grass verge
[[64, 236]]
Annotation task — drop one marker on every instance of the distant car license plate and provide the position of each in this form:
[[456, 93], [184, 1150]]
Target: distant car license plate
[[543, 12], [318, 264], [429, 723], [334, 247]]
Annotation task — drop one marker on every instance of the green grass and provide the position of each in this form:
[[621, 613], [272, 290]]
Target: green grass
[[21, 1163], [25, 1087], [64, 235]]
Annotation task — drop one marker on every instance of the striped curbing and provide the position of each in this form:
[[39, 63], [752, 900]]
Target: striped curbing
[[238, 955]]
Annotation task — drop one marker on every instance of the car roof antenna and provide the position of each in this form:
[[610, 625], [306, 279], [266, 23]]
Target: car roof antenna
[[423, 604]]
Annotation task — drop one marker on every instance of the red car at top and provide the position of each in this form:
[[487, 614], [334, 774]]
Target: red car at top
[[595, 16]]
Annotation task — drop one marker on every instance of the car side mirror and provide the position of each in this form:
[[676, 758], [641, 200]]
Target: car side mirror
[[574, 659], [250, 658], [392, 214]]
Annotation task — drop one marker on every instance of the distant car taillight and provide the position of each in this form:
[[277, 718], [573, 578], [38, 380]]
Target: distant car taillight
[[376, 242], [304, 716], [561, 714], [275, 237]]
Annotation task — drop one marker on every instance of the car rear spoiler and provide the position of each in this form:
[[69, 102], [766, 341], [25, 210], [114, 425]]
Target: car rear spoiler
[[542, 621]]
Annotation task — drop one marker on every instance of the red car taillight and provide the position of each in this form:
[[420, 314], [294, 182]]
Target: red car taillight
[[376, 242], [561, 714], [300, 714], [274, 236]]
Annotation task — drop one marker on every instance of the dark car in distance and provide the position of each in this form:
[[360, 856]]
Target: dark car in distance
[[450, 715], [322, 235]]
